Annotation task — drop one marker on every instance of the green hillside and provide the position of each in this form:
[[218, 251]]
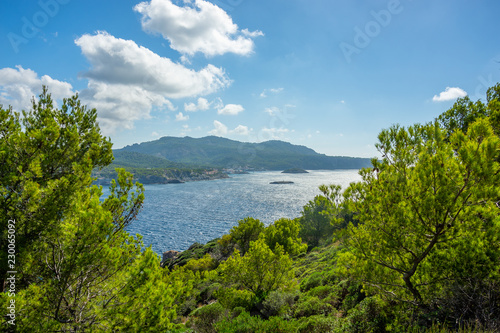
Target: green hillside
[[219, 152], [149, 169]]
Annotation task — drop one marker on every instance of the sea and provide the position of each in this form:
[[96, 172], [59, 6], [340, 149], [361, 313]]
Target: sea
[[175, 216]]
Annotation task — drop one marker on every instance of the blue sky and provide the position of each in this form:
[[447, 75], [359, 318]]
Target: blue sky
[[321, 73]]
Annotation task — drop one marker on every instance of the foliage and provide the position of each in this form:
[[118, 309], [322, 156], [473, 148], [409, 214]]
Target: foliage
[[429, 203], [46, 159], [245, 323], [465, 112], [471, 301], [231, 298], [368, 316], [310, 306], [247, 230], [201, 265], [77, 267], [205, 318], [260, 270], [279, 303], [315, 221], [285, 232]]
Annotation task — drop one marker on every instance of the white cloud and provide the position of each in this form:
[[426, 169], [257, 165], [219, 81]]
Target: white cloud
[[241, 130], [181, 117], [155, 134], [219, 130], [115, 60], [263, 94], [231, 109], [198, 26], [202, 105], [126, 80], [252, 34], [18, 86], [449, 94]]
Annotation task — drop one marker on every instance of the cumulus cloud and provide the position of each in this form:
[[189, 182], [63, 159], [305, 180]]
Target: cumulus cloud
[[202, 104], [219, 129], [449, 94], [198, 26], [231, 109], [127, 80], [115, 60], [241, 130], [18, 86], [181, 117]]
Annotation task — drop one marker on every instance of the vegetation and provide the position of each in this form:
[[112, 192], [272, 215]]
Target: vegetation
[[76, 268], [224, 153], [413, 247]]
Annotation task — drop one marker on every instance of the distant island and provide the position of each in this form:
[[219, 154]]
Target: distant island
[[282, 182], [222, 153], [176, 160], [294, 170]]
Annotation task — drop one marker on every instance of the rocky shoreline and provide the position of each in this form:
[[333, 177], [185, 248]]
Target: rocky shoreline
[[164, 179]]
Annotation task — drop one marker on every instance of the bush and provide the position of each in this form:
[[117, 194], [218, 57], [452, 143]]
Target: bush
[[231, 298], [314, 280], [329, 294], [310, 306], [205, 318], [366, 317], [278, 303], [472, 301], [318, 324], [245, 323], [199, 265], [208, 291]]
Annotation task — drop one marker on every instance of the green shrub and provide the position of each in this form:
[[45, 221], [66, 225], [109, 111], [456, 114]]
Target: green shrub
[[231, 298], [208, 291], [366, 317], [310, 306], [205, 318], [318, 324], [312, 281], [329, 294], [245, 323], [278, 303]]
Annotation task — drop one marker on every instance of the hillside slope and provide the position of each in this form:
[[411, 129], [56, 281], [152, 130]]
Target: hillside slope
[[219, 152]]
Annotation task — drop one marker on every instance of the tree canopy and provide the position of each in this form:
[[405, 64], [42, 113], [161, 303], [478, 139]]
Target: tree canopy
[[430, 201], [76, 266]]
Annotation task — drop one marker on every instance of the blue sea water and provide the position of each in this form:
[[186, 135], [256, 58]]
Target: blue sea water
[[175, 216]]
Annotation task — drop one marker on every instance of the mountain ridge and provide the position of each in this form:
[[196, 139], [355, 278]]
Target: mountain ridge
[[214, 151]]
